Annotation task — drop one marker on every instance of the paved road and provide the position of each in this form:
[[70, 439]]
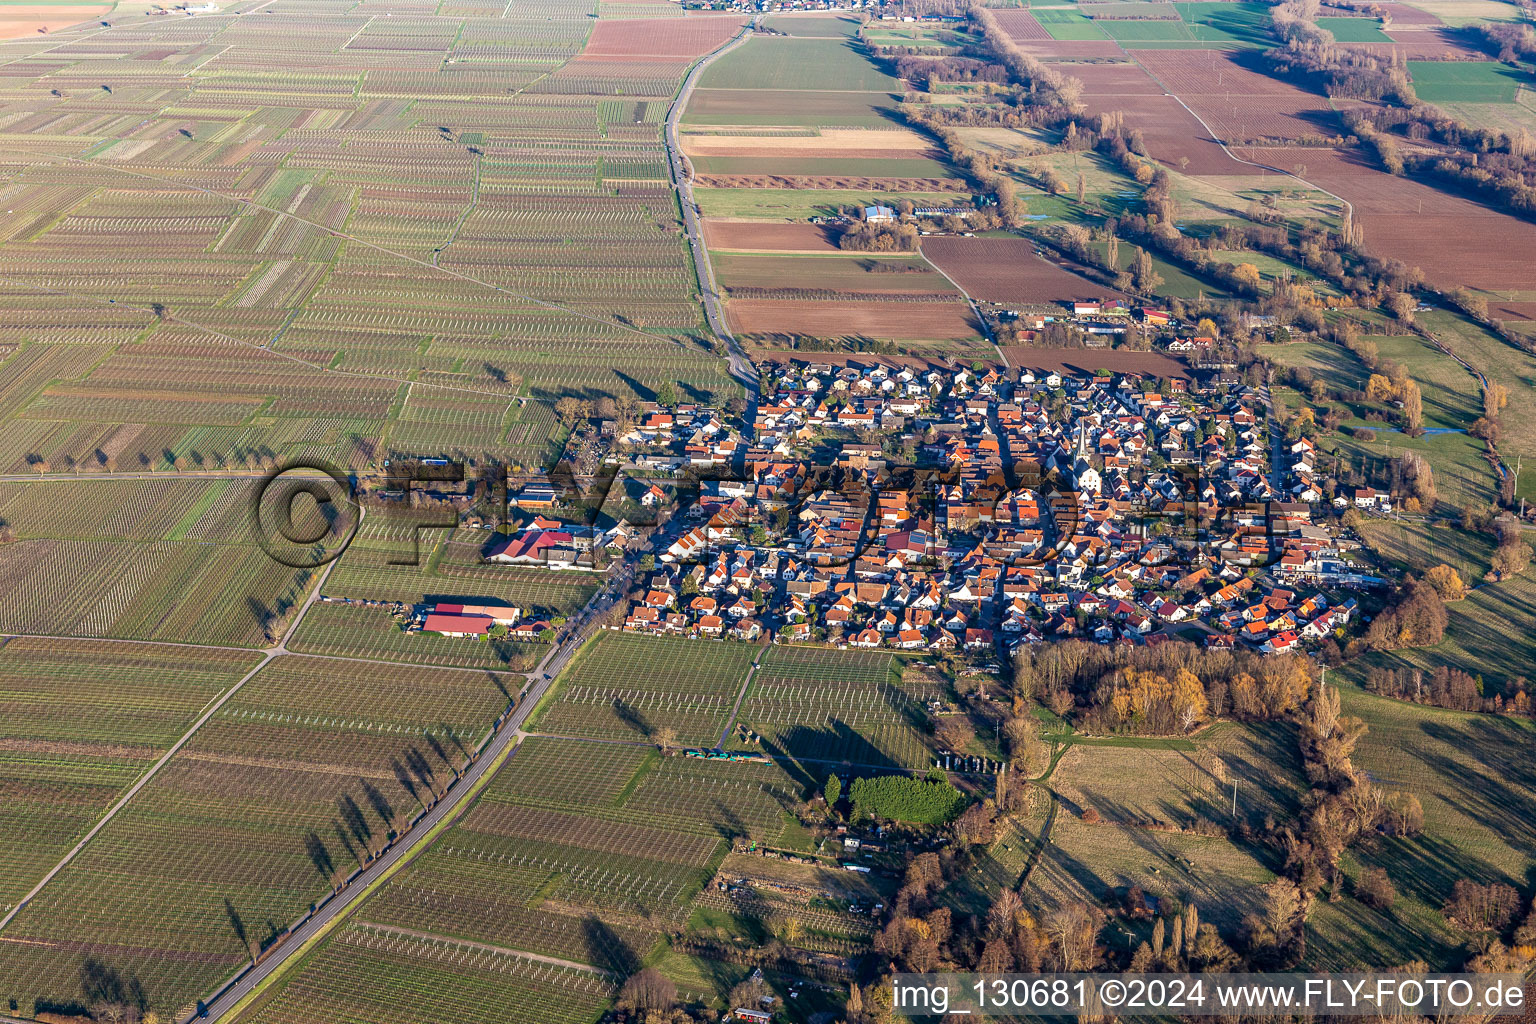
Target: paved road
[[682, 179], [583, 624]]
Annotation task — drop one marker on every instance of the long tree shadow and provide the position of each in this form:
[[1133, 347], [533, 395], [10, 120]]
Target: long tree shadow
[[606, 949], [380, 804], [319, 856], [632, 717], [237, 925], [407, 783], [106, 988]]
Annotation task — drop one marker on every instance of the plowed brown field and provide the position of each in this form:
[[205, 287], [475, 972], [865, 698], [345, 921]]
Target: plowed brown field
[[757, 236], [914, 321], [660, 37], [1453, 240], [1006, 270], [16, 22]]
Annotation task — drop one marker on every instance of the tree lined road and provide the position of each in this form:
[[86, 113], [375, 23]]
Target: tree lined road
[[455, 800]]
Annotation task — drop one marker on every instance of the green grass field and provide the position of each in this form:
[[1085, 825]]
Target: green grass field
[[1227, 24], [1474, 776], [1354, 30], [1466, 81], [1065, 24], [789, 204], [1502, 362], [1175, 281], [797, 64], [1452, 397], [1098, 862], [1134, 33], [1462, 475], [1488, 635]]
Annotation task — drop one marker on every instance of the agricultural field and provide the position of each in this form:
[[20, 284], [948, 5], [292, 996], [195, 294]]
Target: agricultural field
[[584, 851], [1419, 547], [721, 205], [1466, 81], [390, 560], [1474, 780], [773, 322], [1442, 234], [797, 63], [1007, 270], [351, 236], [848, 274], [82, 723], [293, 784], [631, 688], [828, 707], [20, 20], [369, 972], [171, 560]]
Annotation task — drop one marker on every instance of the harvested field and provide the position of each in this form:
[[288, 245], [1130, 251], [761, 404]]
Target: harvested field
[[906, 320], [755, 235], [1422, 42], [1237, 103], [660, 37], [1006, 270], [1404, 15], [842, 182], [830, 142], [853, 163], [1060, 49], [1021, 25], [872, 109], [1114, 78], [30, 20], [746, 275], [1086, 360], [1173, 134], [1513, 310], [1453, 240]]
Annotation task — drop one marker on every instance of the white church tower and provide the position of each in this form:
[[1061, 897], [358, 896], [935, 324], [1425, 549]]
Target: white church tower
[[1084, 477]]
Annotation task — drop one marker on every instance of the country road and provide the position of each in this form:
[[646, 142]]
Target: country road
[[742, 368], [455, 800], [278, 650]]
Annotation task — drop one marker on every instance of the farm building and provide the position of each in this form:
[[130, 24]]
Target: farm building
[[879, 214], [457, 619]]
